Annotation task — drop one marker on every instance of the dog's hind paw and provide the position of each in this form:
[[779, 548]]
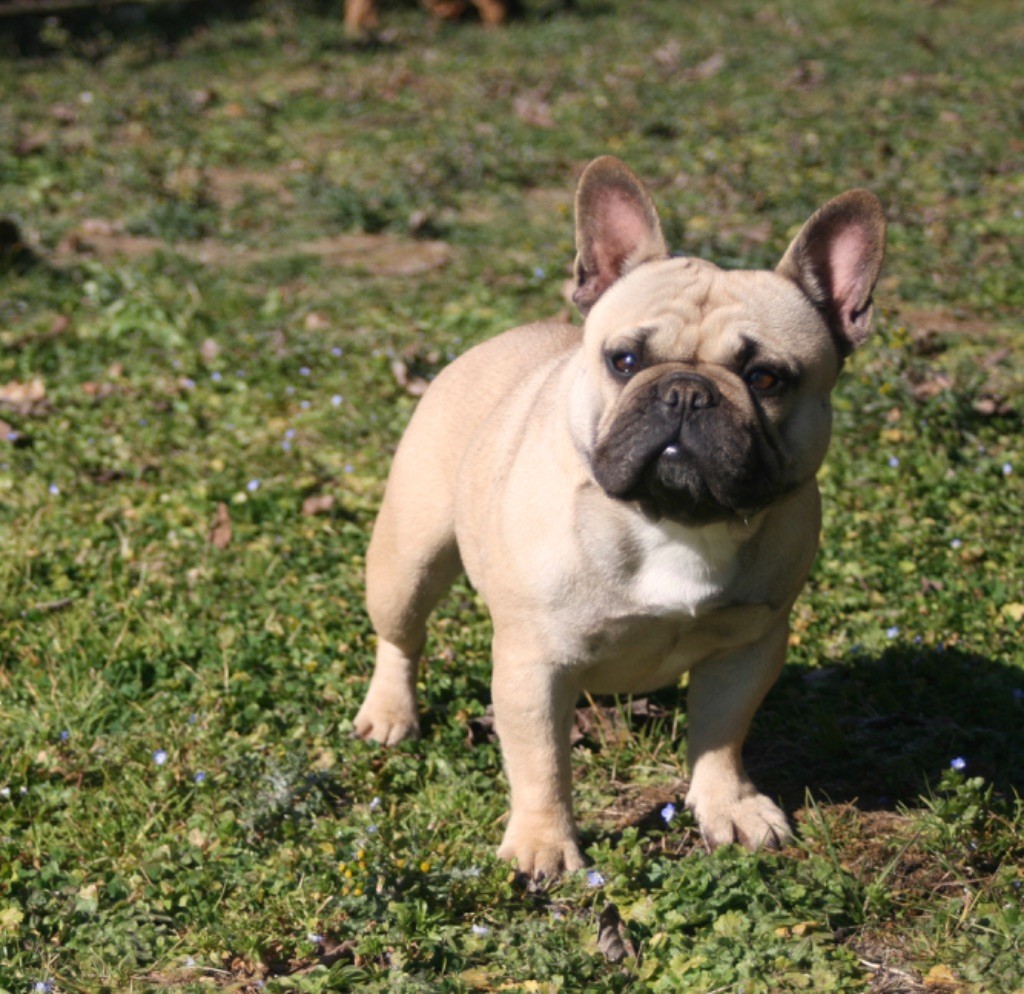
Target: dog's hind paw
[[753, 821]]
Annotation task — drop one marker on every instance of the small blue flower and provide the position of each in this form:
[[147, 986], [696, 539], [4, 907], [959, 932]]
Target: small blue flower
[[286, 445], [337, 352], [304, 370], [336, 400], [216, 376], [317, 940], [290, 434], [43, 987], [289, 390], [188, 383], [894, 461], [252, 486], [160, 757], [595, 879], [668, 813], [348, 467], [374, 804], [959, 764], [65, 735], [539, 272], [955, 544], [1007, 468], [54, 490], [480, 929], [200, 777], [892, 632]]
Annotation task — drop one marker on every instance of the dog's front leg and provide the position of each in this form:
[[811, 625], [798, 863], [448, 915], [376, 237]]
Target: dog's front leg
[[534, 703], [722, 698]]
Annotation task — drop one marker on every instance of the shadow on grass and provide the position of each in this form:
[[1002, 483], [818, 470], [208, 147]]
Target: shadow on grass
[[879, 731]]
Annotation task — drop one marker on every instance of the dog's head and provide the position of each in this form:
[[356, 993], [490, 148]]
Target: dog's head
[[705, 393]]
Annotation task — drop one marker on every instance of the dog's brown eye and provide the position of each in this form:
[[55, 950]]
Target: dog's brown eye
[[623, 363], [763, 380]]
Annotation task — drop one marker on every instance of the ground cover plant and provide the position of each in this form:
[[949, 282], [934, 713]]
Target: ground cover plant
[[233, 252]]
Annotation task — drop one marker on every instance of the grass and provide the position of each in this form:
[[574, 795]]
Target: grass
[[211, 305]]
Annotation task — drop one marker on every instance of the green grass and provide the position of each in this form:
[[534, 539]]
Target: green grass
[[182, 807]]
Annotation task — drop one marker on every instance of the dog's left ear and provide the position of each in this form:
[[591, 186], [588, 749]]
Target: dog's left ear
[[617, 228], [835, 260]]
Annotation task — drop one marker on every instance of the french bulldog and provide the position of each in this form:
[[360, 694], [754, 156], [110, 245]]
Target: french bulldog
[[633, 501]]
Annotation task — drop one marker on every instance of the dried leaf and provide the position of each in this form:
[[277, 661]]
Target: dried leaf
[[668, 55], [316, 321], [926, 389], [24, 398], [201, 99], [220, 531], [318, 504], [598, 725], [1014, 611], [711, 66], [32, 141], [331, 951], [612, 938], [942, 978], [414, 385], [533, 110], [209, 350], [98, 391], [64, 113], [481, 729]]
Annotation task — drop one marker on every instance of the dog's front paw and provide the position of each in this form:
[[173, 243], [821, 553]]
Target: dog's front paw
[[387, 716], [540, 851], [749, 818]]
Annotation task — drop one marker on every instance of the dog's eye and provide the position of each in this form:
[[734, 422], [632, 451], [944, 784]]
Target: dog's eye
[[763, 380], [623, 363]]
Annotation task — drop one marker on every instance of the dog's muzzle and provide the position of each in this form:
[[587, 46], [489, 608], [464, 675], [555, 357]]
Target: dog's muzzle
[[679, 445]]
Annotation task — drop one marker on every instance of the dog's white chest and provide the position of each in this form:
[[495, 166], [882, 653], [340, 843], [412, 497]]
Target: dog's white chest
[[683, 571]]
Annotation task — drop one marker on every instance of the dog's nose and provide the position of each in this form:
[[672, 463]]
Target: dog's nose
[[687, 391]]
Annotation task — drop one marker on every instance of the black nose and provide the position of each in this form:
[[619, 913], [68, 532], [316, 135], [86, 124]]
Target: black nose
[[685, 391]]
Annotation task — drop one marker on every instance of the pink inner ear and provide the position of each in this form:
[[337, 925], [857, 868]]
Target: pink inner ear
[[846, 261], [624, 227]]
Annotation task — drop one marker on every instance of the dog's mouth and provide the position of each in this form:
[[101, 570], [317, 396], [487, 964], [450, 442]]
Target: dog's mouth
[[680, 484]]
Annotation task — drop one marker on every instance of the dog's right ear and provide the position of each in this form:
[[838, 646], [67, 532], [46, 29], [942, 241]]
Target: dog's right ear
[[617, 228]]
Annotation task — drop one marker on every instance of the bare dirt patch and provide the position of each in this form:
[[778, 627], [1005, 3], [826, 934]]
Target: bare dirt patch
[[375, 255]]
